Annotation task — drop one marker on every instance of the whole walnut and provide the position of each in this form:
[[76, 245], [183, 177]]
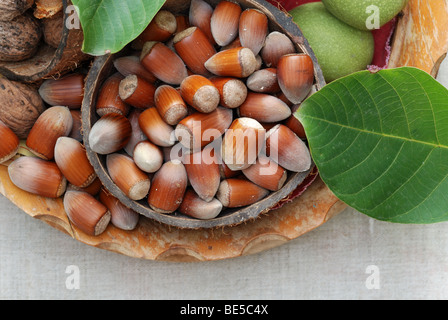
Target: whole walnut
[[20, 106], [52, 29], [9, 9], [19, 38]]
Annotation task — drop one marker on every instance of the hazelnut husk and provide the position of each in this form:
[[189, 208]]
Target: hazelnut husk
[[20, 106], [19, 38], [47, 8]]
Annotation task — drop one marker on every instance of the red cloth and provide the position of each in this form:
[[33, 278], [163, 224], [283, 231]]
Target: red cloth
[[382, 36], [383, 48]]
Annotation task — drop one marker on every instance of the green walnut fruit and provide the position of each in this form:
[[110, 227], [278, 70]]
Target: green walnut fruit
[[340, 49], [365, 14]]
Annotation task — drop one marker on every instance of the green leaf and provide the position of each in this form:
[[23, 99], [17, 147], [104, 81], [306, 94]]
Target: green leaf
[[380, 142], [109, 25]]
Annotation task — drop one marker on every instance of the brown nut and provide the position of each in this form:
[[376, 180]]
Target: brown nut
[[242, 143], [137, 92], [276, 45], [109, 100], [199, 129], [122, 217], [52, 29], [37, 176], [193, 206], [130, 65], [200, 93], [238, 62], [66, 91], [127, 176], [110, 133], [264, 81], [53, 123], [203, 172], [147, 156], [19, 38], [21, 106], [168, 187], [163, 63], [235, 193], [76, 132], [137, 134], [170, 104], [71, 158], [264, 108], [225, 21], [295, 73], [195, 49], [253, 29], [294, 123], [200, 15], [285, 148], [10, 143], [161, 28], [266, 173], [232, 91], [86, 212], [158, 131]]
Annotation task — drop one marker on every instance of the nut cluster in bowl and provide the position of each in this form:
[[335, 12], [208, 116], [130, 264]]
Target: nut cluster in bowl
[[198, 118]]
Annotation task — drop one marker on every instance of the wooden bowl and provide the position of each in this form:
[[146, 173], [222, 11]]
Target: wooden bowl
[[102, 68], [155, 241], [48, 61]]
